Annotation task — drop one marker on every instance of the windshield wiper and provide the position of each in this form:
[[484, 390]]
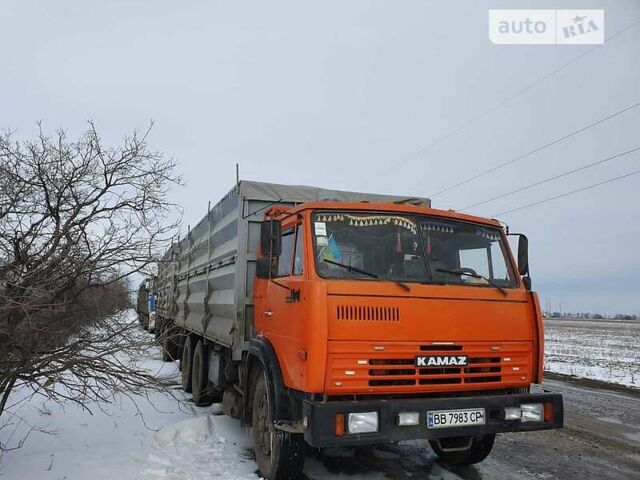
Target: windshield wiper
[[474, 275], [349, 268]]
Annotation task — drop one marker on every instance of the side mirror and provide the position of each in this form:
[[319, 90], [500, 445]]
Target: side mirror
[[263, 267], [523, 255], [271, 238]]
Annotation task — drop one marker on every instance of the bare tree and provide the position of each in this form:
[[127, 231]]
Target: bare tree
[[76, 219]]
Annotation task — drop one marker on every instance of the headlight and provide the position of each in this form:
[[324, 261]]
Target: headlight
[[363, 422], [532, 412], [408, 418]]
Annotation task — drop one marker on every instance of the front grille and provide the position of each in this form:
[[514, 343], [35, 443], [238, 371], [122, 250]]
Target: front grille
[[478, 373], [369, 367]]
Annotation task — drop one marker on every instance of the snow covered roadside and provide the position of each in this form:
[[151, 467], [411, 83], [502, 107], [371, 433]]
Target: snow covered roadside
[[110, 442], [207, 446], [131, 439]]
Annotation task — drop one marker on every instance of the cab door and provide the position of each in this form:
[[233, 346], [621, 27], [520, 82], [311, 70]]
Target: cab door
[[281, 310]]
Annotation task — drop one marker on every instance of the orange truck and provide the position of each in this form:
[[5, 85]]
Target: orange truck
[[338, 318]]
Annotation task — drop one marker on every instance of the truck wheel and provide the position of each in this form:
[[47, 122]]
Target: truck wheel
[[200, 376], [478, 450], [280, 455], [167, 341], [186, 362]]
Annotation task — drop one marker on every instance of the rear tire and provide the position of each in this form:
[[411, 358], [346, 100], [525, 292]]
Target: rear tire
[[167, 341], [186, 363], [200, 376], [280, 455], [479, 449]]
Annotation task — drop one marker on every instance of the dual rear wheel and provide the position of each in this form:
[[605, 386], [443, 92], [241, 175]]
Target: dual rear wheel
[[194, 366], [280, 455]]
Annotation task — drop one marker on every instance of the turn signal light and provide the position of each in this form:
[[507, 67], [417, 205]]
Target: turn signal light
[[339, 424], [548, 412]]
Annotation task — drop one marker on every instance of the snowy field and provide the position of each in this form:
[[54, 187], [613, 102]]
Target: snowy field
[[599, 350]]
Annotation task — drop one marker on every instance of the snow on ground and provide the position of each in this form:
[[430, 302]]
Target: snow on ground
[[131, 439], [66, 442], [207, 446], [598, 350]]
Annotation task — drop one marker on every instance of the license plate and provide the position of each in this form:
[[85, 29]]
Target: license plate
[[455, 418]]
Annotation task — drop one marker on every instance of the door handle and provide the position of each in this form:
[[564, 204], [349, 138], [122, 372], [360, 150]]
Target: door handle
[[268, 313]]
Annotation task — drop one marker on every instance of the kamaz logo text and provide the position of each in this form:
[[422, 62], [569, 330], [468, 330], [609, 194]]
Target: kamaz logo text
[[441, 361]]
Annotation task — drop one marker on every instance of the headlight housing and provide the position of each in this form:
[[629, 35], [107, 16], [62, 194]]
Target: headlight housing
[[363, 422], [532, 412]]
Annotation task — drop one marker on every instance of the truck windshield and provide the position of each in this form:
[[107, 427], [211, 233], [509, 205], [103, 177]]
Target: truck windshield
[[410, 248]]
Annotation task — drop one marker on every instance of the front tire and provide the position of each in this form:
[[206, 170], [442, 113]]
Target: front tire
[[280, 455], [448, 449]]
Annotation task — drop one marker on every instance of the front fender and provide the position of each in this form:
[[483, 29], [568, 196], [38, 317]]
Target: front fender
[[262, 353]]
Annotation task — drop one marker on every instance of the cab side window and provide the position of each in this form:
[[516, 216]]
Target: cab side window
[[298, 261], [285, 260]]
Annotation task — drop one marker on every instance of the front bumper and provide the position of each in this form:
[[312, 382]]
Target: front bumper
[[320, 418]]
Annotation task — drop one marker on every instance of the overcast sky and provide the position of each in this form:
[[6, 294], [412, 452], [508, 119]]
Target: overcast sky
[[348, 94]]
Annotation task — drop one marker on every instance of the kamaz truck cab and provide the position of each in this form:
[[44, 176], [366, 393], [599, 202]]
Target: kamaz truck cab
[[397, 322]]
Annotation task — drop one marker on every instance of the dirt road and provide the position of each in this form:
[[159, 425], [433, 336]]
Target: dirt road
[[601, 439]]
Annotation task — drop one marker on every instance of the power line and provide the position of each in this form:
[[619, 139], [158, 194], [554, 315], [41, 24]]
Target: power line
[[567, 193], [537, 149], [570, 172], [509, 99]]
